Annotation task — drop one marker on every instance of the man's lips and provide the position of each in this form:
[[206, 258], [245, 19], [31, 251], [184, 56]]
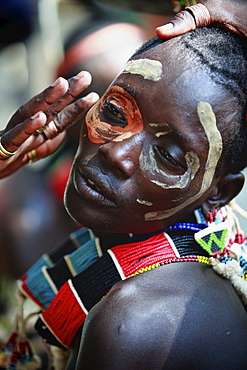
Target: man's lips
[[93, 186]]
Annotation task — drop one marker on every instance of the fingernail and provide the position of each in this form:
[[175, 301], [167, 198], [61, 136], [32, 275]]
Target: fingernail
[[85, 75], [56, 82], [166, 27], [92, 97], [36, 115], [81, 74]]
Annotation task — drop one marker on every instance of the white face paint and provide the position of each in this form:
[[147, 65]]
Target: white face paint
[[150, 162], [149, 69], [208, 121], [150, 166], [158, 134], [115, 117], [166, 129], [144, 202], [164, 125]]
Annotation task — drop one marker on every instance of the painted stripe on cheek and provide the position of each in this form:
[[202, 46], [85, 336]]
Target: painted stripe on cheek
[[208, 122]]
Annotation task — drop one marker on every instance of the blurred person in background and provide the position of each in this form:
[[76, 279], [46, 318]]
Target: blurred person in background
[[18, 20], [32, 198], [209, 2]]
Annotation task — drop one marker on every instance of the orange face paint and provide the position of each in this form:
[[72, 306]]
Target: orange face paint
[[115, 116]]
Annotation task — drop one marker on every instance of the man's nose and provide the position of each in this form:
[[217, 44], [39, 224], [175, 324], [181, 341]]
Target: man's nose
[[122, 157]]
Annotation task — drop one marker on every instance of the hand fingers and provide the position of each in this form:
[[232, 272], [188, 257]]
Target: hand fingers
[[40, 144], [40, 150], [187, 20], [50, 146], [69, 115], [182, 23], [19, 132], [53, 99], [77, 84], [40, 102], [13, 139]]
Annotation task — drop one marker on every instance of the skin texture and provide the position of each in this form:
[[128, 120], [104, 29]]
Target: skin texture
[[208, 121], [158, 320], [144, 323], [149, 69], [100, 131], [52, 104], [107, 178], [228, 14]]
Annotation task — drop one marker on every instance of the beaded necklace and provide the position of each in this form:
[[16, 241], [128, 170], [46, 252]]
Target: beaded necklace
[[70, 280], [82, 273]]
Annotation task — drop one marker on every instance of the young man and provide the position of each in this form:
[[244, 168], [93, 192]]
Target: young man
[[168, 137], [160, 156]]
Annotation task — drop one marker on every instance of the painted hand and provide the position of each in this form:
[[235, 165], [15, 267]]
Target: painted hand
[[51, 112]]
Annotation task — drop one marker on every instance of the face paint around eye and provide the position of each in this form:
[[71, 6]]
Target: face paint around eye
[[208, 122], [115, 111], [115, 117], [150, 167]]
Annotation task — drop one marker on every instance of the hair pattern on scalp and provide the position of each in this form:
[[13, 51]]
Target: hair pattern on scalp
[[149, 44], [223, 56]]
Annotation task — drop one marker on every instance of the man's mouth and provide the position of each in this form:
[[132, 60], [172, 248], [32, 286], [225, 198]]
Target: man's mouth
[[91, 185]]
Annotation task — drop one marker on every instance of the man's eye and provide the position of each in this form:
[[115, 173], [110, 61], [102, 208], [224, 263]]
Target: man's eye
[[165, 155], [114, 112]]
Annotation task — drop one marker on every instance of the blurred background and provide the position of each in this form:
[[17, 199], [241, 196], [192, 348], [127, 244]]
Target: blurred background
[[39, 41]]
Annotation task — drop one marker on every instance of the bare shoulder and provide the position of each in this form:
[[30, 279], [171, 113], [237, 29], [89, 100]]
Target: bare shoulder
[[176, 316]]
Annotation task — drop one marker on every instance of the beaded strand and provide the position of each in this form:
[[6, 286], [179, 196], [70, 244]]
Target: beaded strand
[[186, 226], [200, 259]]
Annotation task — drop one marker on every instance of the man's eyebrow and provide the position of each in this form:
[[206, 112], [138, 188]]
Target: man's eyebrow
[[172, 129], [135, 95], [129, 90], [180, 135]]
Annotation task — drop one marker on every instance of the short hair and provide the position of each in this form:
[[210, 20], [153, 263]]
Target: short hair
[[224, 58]]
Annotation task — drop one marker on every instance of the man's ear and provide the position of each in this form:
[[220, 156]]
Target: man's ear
[[227, 188]]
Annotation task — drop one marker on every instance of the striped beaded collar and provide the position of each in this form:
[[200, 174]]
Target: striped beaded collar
[[70, 280], [85, 267]]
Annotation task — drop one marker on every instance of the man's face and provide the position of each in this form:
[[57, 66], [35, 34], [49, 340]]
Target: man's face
[[149, 149]]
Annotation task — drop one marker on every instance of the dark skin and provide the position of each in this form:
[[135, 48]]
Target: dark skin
[[180, 316], [114, 166], [220, 326], [51, 104], [228, 14], [153, 322]]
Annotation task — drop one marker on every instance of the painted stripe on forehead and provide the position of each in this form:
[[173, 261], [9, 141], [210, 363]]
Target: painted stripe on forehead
[[208, 121], [149, 69]]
